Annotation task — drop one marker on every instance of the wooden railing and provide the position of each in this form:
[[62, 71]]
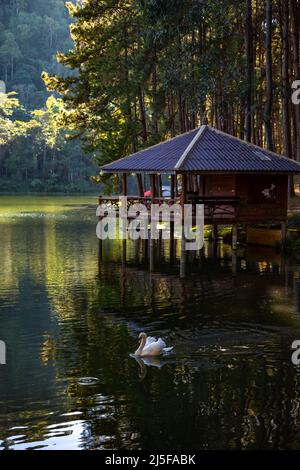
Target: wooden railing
[[219, 208], [114, 201]]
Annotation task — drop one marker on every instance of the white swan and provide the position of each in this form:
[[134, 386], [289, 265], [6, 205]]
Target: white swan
[[150, 346]]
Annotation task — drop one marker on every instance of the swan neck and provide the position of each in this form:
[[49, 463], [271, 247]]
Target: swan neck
[[139, 350]]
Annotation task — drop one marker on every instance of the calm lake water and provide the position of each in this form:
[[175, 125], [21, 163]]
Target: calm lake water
[[64, 315]]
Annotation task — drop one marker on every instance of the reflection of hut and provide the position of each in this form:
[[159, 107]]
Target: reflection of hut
[[236, 181]]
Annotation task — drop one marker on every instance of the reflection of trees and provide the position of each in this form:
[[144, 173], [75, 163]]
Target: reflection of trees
[[88, 325]]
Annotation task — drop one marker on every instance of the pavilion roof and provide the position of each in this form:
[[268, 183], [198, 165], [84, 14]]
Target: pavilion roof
[[203, 150]]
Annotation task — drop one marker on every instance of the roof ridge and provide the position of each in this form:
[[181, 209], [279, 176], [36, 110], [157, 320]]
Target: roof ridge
[[190, 147], [250, 144], [147, 148]]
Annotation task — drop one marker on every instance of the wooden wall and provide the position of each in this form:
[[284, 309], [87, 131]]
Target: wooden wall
[[263, 197], [220, 185]]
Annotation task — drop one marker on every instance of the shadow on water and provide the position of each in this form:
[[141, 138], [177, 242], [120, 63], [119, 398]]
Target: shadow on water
[[67, 313]]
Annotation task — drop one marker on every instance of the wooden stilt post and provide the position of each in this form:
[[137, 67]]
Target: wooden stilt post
[[234, 236], [172, 187], [215, 233], [234, 262], [172, 239], [172, 224], [123, 254], [183, 189], [183, 199], [145, 249], [215, 241], [137, 250], [159, 186], [183, 250], [140, 184], [151, 253], [201, 256], [172, 245], [151, 241], [183, 255], [283, 233], [124, 184], [100, 255], [123, 209], [152, 188]]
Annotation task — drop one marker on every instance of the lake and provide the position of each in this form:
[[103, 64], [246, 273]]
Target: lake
[[68, 314]]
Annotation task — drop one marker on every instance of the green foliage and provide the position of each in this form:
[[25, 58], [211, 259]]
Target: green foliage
[[31, 33], [99, 98], [11, 128], [35, 154], [141, 64], [134, 72], [224, 232]]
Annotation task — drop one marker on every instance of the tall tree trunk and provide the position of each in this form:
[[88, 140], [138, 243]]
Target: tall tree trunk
[[269, 76], [202, 99], [294, 6], [181, 113], [143, 115], [155, 103], [129, 116], [285, 90], [249, 69]]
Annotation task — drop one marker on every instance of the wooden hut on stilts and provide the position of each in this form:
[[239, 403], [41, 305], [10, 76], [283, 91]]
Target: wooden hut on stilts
[[237, 182]]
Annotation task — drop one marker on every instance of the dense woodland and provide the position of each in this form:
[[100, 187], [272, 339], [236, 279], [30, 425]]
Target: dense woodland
[[135, 72], [150, 69], [34, 152]]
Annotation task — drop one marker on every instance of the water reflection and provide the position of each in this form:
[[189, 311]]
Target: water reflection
[[68, 313], [145, 362]]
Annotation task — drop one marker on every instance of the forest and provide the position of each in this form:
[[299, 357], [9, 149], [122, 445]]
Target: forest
[[35, 153], [130, 73]]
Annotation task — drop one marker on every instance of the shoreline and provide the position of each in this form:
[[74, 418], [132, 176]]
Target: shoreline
[[10, 193]]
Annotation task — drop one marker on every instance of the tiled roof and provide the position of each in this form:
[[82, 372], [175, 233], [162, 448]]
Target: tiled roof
[[203, 150]]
